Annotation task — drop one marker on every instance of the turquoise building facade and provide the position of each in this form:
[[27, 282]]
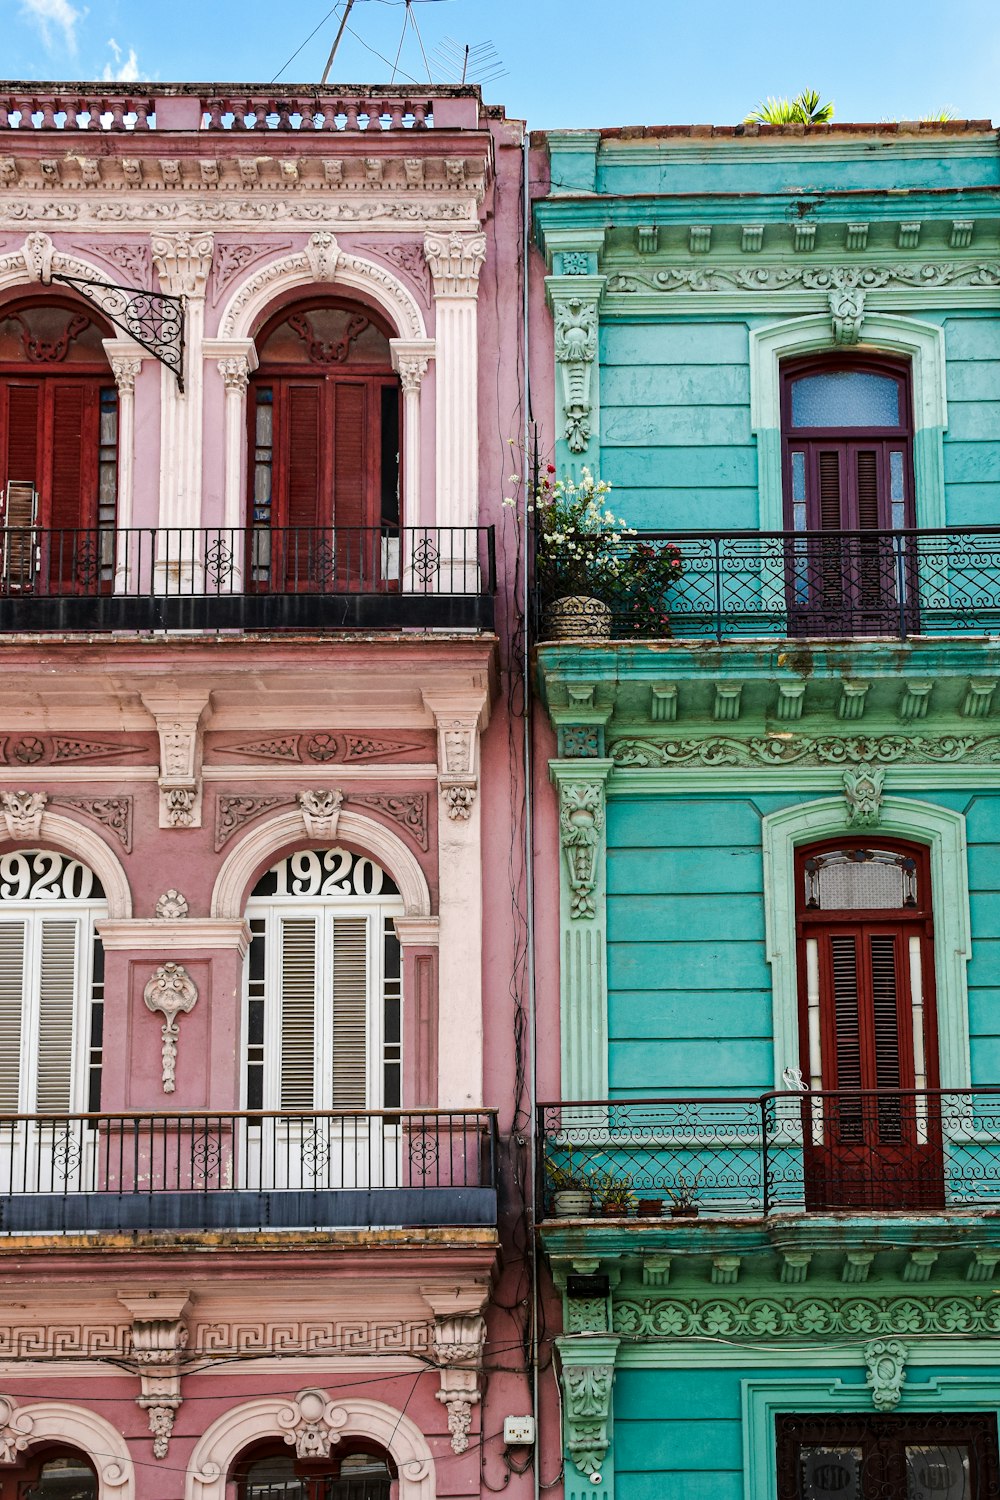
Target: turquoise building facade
[[779, 817]]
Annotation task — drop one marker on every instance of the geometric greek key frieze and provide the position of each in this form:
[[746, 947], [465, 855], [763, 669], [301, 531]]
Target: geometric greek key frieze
[[57, 1340], [313, 1336]]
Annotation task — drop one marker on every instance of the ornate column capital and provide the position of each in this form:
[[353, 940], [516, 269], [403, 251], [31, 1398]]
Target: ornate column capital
[[183, 260], [587, 1374], [455, 261], [458, 721], [410, 358], [125, 368], [574, 301], [159, 1338], [581, 786]]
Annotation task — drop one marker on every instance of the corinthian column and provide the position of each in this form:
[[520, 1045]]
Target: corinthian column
[[237, 359], [455, 260], [125, 359], [183, 260]]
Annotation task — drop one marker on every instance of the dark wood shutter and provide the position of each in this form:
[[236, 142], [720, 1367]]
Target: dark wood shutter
[[304, 463], [70, 505], [830, 513], [352, 447], [866, 475], [21, 457]]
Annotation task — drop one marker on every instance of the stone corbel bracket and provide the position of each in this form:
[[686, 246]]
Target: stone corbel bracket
[[587, 1373], [178, 724], [885, 1360], [159, 1338], [16, 1428], [457, 1346], [581, 833], [22, 813], [574, 302], [458, 723], [170, 992]]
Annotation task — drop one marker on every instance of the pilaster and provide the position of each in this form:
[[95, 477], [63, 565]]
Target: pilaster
[[125, 358], [455, 260], [183, 261], [587, 1374], [459, 719], [574, 295], [237, 360], [581, 786]]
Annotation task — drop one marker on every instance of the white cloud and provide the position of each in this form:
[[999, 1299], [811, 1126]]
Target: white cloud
[[117, 71], [53, 13]]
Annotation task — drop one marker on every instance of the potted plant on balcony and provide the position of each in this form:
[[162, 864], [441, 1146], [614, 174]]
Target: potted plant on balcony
[[641, 606], [579, 559], [614, 1194], [570, 1188], [681, 1192]]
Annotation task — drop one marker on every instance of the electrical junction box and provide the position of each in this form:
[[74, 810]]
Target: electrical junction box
[[518, 1431]]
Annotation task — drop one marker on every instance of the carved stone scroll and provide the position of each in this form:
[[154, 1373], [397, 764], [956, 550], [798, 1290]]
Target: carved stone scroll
[[863, 793], [312, 1423], [587, 1375], [170, 992], [458, 1350], [885, 1360], [159, 1338], [22, 813], [15, 1431], [581, 831]]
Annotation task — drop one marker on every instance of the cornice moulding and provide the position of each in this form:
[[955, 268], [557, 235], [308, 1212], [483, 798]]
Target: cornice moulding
[[185, 935]]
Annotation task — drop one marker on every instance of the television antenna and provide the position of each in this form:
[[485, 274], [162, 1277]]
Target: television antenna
[[458, 62]]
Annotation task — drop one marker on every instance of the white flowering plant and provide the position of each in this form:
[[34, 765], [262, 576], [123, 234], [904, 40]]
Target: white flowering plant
[[578, 540]]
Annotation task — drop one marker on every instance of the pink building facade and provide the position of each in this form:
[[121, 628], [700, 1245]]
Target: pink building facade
[[260, 872]]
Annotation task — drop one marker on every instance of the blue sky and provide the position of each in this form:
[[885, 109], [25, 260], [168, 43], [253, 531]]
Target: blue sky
[[568, 62]]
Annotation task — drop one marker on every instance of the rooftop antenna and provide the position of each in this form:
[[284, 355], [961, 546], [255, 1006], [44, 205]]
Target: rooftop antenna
[[349, 6], [458, 62]]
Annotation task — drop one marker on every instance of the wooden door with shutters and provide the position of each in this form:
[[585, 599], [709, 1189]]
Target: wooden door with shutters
[[325, 441], [867, 1022], [848, 473], [58, 452]]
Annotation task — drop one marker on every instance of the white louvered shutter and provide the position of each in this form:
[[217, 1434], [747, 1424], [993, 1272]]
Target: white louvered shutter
[[298, 1012], [350, 1012], [56, 1008], [11, 1001]]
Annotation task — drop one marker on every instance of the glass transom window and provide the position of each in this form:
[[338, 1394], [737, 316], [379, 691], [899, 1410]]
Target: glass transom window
[[845, 398]]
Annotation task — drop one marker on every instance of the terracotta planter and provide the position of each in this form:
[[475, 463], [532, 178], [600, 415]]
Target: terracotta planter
[[577, 618], [614, 1210], [571, 1203], [649, 1208], [684, 1211]]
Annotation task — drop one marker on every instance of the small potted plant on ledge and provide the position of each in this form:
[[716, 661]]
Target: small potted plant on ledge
[[579, 559], [683, 1202], [570, 1189], [614, 1194]]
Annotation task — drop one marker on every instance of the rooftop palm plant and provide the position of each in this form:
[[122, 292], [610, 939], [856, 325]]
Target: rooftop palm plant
[[807, 108]]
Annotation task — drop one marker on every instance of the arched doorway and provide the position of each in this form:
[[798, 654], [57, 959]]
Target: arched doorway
[[867, 1024], [324, 417], [51, 1473], [354, 1471], [58, 448]]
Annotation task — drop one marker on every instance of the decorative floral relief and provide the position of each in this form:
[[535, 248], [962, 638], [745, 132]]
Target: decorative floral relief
[[581, 829], [170, 992], [172, 906], [863, 794], [809, 278], [766, 750], [408, 809], [114, 813], [232, 812], [29, 750], [765, 1317]]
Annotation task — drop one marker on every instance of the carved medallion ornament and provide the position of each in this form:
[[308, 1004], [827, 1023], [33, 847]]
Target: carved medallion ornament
[[22, 813], [30, 750], [885, 1360], [828, 750], [321, 812], [321, 747], [581, 831], [170, 992], [171, 907], [312, 1423], [16, 1428]]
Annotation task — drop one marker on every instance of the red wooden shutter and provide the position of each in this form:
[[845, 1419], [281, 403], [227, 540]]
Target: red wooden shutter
[[304, 459], [353, 446], [21, 458], [73, 455]]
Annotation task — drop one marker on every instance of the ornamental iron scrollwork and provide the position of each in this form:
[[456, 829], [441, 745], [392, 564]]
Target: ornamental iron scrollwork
[[155, 320]]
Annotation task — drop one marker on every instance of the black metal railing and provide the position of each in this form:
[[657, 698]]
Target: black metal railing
[[335, 577], [810, 1151], [837, 584], [247, 1170]]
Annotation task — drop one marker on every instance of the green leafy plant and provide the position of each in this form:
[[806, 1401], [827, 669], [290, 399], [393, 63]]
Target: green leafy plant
[[565, 1176], [614, 1192], [807, 108], [682, 1192]]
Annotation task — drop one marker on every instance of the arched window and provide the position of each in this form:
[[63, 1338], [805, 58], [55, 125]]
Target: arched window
[[51, 1474], [356, 1472], [325, 439], [58, 445], [848, 467], [867, 1022], [323, 1022]]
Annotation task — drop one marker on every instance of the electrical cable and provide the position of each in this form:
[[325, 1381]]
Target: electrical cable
[[306, 42]]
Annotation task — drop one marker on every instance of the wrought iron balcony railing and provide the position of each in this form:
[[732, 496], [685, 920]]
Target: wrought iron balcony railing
[[247, 1170], [780, 1152], [833, 584], [252, 578]]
